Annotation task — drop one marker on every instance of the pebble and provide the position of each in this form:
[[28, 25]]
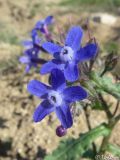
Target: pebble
[[104, 18]]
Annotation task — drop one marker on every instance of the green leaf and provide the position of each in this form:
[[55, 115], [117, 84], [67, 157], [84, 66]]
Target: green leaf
[[97, 105], [115, 150], [111, 47], [73, 149], [89, 154], [105, 84]]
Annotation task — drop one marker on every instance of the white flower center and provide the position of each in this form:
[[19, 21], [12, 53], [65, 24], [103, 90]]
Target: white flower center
[[33, 52], [66, 54], [55, 98]]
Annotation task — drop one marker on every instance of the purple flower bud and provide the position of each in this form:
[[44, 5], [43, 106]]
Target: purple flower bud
[[61, 131]]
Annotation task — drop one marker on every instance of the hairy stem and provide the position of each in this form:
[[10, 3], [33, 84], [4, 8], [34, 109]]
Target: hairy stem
[[89, 126], [104, 71], [116, 108], [112, 122], [106, 108]]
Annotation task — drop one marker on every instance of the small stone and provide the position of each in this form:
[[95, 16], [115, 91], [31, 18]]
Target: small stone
[[104, 18]]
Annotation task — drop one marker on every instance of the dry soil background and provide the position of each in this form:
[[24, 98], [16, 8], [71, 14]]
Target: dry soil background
[[20, 138]]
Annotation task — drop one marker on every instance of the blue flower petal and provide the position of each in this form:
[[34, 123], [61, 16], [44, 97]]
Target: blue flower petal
[[28, 67], [51, 47], [59, 63], [28, 52], [64, 115], [34, 33], [57, 55], [39, 24], [74, 38], [32, 52], [49, 20], [37, 88], [75, 93], [87, 52], [24, 59], [47, 67], [57, 79], [42, 110], [36, 39], [27, 44], [71, 72], [42, 29]]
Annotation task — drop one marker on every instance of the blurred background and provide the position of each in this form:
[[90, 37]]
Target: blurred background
[[20, 138]]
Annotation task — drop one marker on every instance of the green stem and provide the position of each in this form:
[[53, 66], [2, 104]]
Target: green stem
[[112, 122], [116, 108], [102, 74], [106, 108], [89, 127]]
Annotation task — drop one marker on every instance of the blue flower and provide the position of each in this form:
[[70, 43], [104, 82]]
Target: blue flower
[[68, 56], [30, 58], [34, 43], [42, 24], [31, 53], [56, 97]]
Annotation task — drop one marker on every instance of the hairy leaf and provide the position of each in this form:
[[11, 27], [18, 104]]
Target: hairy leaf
[[105, 84], [73, 149], [115, 150]]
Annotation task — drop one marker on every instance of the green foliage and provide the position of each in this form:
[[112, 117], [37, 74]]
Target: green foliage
[[93, 3], [105, 84], [89, 154], [97, 105], [73, 149], [8, 35], [115, 150], [34, 9], [111, 47]]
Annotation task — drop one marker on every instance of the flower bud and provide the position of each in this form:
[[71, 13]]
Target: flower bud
[[61, 131], [111, 61]]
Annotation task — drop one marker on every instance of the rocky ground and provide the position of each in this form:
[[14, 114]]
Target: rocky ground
[[20, 138]]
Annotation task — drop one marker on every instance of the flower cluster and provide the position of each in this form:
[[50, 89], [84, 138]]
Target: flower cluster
[[33, 47], [63, 68]]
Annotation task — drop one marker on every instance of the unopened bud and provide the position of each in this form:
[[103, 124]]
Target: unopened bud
[[61, 131], [111, 61]]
